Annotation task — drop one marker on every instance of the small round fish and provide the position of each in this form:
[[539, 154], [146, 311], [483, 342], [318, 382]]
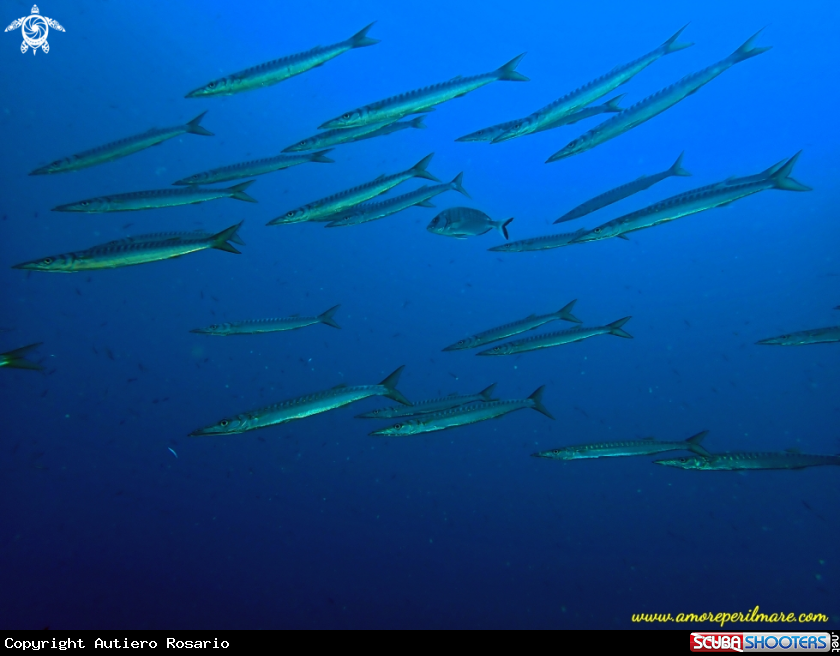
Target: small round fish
[[463, 222]]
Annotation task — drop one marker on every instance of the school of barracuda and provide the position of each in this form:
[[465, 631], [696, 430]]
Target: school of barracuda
[[359, 204]]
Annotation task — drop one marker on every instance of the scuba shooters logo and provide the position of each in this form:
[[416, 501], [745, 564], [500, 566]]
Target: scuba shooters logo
[[35, 29], [748, 641]]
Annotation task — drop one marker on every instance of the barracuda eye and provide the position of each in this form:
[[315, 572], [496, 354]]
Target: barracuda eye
[[597, 231], [461, 342], [213, 327], [212, 85], [290, 214], [784, 337], [85, 203], [398, 426], [47, 260], [346, 116], [223, 423]]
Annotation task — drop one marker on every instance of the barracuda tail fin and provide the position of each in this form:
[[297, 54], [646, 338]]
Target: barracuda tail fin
[[220, 240], [15, 359], [238, 191], [487, 392], [746, 50], [612, 106], [536, 397], [671, 44], [418, 123], [327, 317], [508, 72], [419, 169], [321, 156], [677, 169], [390, 385], [566, 313], [457, 184], [693, 444], [615, 328], [193, 126], [501, 226], [781, 178], [361, 39]]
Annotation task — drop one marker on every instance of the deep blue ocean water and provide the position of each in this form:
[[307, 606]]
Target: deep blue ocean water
[[314, 523]]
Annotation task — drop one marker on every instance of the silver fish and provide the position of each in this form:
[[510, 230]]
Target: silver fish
[[423, 100], [325, 208], [647, 447], [127, 253], [349, 135], [697, 200], [277, 70], [544, 243], [591, 91], [257, 326], [16, 359], [622, 192], [463, 222], [372, 211], [514, 328], [254, 167], [463, 415], [739, 461], [654, 105], [488, 134], [121, 148], [803, 337], [155, 199], [304, 406], [558, 338], [432, 405]]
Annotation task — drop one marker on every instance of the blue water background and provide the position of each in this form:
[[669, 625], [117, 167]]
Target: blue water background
[[315, 524]]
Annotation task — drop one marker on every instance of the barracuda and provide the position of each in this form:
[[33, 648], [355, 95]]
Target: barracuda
[[257, 326], [654, 105], [488, 134], [155, 199], [739, 461], [254, 167], [464, 415], [121, 148], [16, 359], [281, 69], [325, 208], [558, 338], [423, 100], [624, 191], [168, 236], [698, 200], [122, 253], [649, 446], [432, 405], [515, 328], [804, 337], [304, 406], [373, 211], [544, 243], [591, 91], [349, 135]]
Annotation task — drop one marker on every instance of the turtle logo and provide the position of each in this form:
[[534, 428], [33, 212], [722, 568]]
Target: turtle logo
[[35, 29]]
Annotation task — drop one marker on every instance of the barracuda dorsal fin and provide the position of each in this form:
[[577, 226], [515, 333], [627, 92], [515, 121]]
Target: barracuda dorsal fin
[[339, 386]]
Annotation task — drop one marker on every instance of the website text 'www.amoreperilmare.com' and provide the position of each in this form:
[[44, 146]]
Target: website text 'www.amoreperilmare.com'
[[753, 616]]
